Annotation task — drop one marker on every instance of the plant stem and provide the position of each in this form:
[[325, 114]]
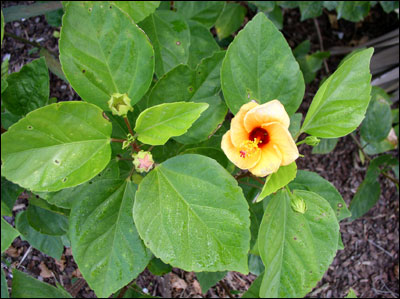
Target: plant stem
[[226, 289], [28, 42], [321, 44], [129, 126], [361, 148], [117, 140], [258, 179]]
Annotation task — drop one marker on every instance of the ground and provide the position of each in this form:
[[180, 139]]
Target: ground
[[369, 263]]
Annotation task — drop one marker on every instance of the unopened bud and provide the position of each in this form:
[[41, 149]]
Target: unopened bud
[[311, 140], [298, 204], [120, 104], [143, 161]]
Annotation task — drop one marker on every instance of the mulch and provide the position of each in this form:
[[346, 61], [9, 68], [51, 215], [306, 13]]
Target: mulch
[[370, 261]]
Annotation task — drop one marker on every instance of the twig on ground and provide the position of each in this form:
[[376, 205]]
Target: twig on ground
[[381, 248], [25, 255]]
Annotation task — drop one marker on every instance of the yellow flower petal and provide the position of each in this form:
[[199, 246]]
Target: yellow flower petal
[[239, 133], [269, 162], [272, 111], [233, 153], [280, 136]]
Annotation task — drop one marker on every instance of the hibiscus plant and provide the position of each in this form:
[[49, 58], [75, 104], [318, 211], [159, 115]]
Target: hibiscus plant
[[179, 153]]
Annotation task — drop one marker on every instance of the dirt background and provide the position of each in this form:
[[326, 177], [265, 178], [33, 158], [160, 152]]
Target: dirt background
[[370, 261]]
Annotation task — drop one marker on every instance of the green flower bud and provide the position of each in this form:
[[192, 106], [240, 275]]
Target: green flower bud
[[312, 140], [298, 204], [128, 141], [120, 104], [143, 161]]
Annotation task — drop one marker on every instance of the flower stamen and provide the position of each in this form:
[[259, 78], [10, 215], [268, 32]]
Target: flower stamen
[[248, 147]]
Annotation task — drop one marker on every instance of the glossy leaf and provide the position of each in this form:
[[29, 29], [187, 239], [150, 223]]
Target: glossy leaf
[[4, 287], [377, 122], [9, 194], [102, 52], [170, 37], [258, 56], [325, 146], [190, 212], [27, 89], [230, 19], [311, 181], [104, 240], [209, 279], [204, 12], [8, 119], [137, 10], [277, 180], [25, 286], [8, 234], [296, 248], [47, 222], [353, 11], [157, 124], [57, 146], [50, 245], [199, 85], [202, 42], [310, 9], [341, 102]]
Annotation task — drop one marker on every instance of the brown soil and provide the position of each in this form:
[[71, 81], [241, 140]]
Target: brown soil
[[369, 263]]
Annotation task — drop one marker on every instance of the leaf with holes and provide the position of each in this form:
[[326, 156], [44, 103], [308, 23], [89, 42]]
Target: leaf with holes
[[57, 146], [296, 248], [102, 51], [104, 240], [191, 213]]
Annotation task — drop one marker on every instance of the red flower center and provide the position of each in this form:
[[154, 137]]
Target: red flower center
[[261, 135]]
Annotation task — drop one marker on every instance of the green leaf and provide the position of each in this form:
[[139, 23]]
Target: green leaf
[[103, 52], [25, 286], [8, 119], [214, 153], [4, 287], [276, 17], [264, 6], [54, 18], [230, 19], [311, 64], [353, 11], [302, 49], [170, 37], [258, 56], [341, 102], [47, 222], [288, 4], [374, 148], [41, 203], [50, 245], [8, 234], [53, 64], [295, 122], [352, 293], [296, 248], [330, 5], [157, 124], [9, 194], [311, 181], [200, 85], [137, 10], [377, 122], [310, 9], [204, 12], [27, 89], [277, 180], [158, 267], [57, 146], [256, 265], [388, 6], [18, 12], [104, 240], [190, 212], [209, 279], [325, 146], [254, 289], [202, 42]]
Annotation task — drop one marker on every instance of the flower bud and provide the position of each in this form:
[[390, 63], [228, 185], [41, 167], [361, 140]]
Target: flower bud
[[311, 140], [120, 104], [143, 161], [298, 204]]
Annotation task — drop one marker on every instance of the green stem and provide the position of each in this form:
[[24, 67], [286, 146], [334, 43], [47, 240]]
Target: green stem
[[129, 126], [288, 189], [300, 142], [28, 42]]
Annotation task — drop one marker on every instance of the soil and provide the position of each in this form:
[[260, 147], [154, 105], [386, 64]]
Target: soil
[[370, 261]]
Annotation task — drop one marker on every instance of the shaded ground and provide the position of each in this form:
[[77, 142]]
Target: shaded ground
[[369, 263]]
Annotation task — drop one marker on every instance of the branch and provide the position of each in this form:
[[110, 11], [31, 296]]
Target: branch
[[321, 44]]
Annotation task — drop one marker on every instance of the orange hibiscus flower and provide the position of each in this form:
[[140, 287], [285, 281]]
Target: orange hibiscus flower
[[259, 139]]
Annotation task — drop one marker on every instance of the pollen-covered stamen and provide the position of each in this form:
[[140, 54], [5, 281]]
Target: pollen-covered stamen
[[248, 147], [242, 154]]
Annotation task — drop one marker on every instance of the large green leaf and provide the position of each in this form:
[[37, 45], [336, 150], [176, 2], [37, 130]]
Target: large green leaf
[[157, 124], [259, 65], [230, 20], [204, 12], [104, 240], [137, 10], [8, 234], [25, 286], [353, 11], [311, 181], [27, 89], [199, 85], [9, 194], [4, 287], [377, 122], [190, 212], [209, 279], [277, 180], [57, 146], [47, 222], [296, 248], [341, 102], [170, 36], [50, 245], [102, 52], [310, 9]]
